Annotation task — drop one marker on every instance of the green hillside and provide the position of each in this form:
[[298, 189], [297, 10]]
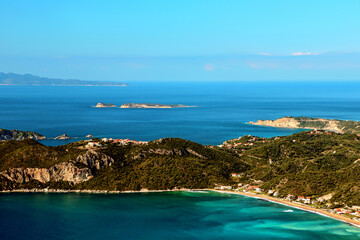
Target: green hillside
[[313, 163], [162, 164], [308, 163]]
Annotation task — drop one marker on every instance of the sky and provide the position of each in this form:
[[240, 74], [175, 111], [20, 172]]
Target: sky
[[182, 40]]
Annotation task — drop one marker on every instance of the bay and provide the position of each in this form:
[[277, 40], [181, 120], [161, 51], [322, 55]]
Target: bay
[[167, 215]]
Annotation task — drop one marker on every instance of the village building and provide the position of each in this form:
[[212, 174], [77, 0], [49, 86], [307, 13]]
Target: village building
[[300, 198], [290, 197], [307, 200]]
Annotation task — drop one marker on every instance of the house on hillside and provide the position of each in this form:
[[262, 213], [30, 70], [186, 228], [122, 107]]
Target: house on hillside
[[290, 197], [300, 198], [307, 200]]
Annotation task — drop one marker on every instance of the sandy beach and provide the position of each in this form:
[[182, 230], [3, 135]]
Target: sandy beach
[[295, 205]]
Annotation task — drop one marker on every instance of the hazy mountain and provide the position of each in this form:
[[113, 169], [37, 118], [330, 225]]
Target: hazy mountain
[[28, 79]]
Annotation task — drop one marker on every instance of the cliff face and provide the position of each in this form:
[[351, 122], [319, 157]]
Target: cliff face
[[66, 171], [19, 135], [60, 172], [286, 122], [95, 160]]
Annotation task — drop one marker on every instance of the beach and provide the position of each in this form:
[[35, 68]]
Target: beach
[[295, 205]]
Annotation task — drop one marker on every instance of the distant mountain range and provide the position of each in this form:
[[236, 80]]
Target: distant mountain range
[[28, 79]]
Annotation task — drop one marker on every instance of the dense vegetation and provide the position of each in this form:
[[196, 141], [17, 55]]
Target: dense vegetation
[[313, 163], [31, 154], [308, 163], [317, 123], [165, 164], [162, 164]]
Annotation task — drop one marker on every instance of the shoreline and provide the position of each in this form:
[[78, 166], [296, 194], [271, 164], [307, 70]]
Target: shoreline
[[252, 195], [96, 191], [295, 205], [301, 128]]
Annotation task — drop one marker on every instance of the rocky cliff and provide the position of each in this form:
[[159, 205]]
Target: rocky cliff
[[93, 159], [74, 171], [60, 172]]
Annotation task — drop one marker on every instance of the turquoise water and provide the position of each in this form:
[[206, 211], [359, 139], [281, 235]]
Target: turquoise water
[[170, 215], [222, 112]]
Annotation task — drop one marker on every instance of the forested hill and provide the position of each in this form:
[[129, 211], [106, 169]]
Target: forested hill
[[161, 164], [312, 163]]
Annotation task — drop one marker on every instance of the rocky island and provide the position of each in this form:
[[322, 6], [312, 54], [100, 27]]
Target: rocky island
[[62, 137], [152, 105], [105, 105], [334, 125]]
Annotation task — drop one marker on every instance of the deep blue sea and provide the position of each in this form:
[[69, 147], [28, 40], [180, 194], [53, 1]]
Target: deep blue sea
[[221, 113], [171, 215]]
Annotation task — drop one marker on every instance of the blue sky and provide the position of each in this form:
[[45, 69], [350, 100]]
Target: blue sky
[[182, 40]]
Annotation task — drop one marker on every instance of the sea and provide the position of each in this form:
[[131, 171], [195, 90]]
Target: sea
[[222, 112], [167, 215]]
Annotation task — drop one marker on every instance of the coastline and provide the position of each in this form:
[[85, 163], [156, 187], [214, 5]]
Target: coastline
[[294, 205], [96, 191], [252, 195], [287, 127]]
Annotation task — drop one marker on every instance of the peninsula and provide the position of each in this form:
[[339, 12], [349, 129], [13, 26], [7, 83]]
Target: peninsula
[[19, 135], [152, 105], [334, 125], [31, 80]]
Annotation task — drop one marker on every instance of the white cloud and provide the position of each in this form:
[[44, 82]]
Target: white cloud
[[303, 54], [265, 54], [209, 67], [261, 65]]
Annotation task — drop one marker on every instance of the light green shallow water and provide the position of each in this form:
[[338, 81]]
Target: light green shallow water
[[170, 215]]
